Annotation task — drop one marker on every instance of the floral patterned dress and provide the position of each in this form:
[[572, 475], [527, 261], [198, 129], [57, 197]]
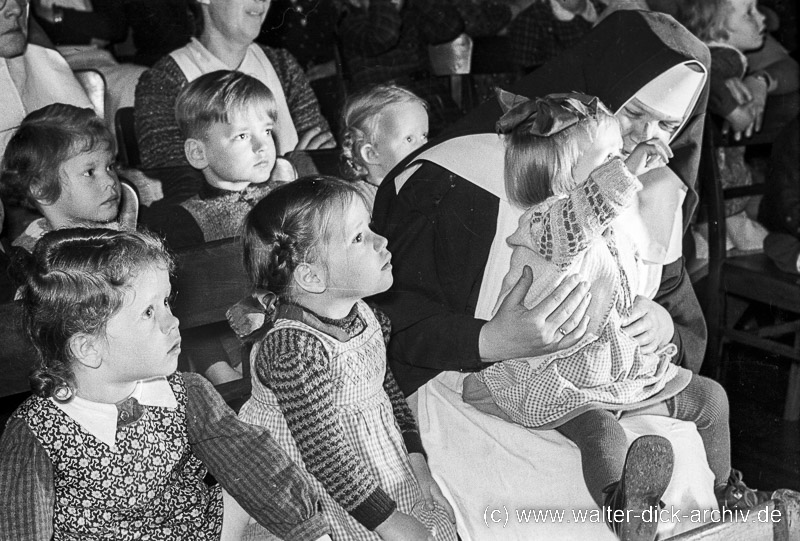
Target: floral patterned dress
[[148, 486]]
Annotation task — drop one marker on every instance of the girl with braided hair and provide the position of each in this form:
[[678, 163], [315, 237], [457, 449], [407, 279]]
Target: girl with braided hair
[[564, 166], [380, 127], [322, 386], [114, 443]]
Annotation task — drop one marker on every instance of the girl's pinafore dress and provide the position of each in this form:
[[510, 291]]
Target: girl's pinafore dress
[[366, 418], [148, 486]]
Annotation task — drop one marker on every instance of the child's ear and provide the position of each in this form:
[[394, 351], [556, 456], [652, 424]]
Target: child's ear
[[195, 151], [369, 154], [36, 191], [310, 278], [86, 349]]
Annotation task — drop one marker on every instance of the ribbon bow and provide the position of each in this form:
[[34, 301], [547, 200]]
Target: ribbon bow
[[545, 116], [251, 313]]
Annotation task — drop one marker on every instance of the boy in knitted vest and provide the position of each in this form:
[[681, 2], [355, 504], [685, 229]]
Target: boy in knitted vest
[[226, 119]]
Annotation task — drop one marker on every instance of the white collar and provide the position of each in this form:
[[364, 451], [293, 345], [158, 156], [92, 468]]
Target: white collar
[[100, 419]]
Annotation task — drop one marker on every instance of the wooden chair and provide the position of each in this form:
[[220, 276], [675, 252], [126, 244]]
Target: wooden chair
[[454, 60], [752, 278], [322, 161], [94, 84], [208, 280], [17, 358], [128, 145]]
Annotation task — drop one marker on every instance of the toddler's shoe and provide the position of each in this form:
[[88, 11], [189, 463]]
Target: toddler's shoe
[[736, 495], [647, 472]]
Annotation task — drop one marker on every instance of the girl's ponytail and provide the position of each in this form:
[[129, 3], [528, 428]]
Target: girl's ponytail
[[47, 382]]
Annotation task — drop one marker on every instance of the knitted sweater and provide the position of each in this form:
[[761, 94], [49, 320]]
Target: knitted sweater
[[564, 235], [212, 214], [294, 365], [607, 368], [160, 141]]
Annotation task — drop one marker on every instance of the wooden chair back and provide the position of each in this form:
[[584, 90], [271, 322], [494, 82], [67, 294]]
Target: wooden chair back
[[128, 145], [323, 161], [210, 278], [453, 60], [748, 277], [17, 357]]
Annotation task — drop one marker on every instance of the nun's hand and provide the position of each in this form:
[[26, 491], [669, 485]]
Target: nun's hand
[[649, 324], [557, 322]]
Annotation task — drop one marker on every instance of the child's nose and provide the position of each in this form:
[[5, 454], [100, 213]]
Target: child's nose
[[260, 143], [112, 180], [169, 323], [380, 242]]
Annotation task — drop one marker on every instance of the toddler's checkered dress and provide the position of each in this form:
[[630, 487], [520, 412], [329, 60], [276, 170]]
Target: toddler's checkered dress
[[607, 369]]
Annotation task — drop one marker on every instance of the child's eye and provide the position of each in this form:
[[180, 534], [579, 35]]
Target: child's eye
[[170, 300], [89, 172], [425, 136], [268, 131], [410, 139], [359, 238], [242, 136], [112, 167], [148, 313], [632, 114]]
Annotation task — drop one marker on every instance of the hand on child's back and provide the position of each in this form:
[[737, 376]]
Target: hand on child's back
[[647, 155], [402, 527]]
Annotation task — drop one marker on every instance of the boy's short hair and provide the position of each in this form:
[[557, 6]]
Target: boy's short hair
[[214, 97], [46, 138], [706, 19]]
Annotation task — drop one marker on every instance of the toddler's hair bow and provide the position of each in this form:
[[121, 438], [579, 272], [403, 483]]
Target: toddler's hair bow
[[545, 116], [251, 313]]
